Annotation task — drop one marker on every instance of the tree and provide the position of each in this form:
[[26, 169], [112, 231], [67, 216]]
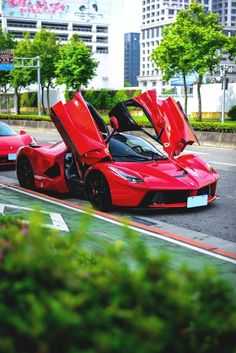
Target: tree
[[46, 46], [198, 43], [172, 55], [22, 77], [231, 48], [76, 66], [120, 96], [6, 42]]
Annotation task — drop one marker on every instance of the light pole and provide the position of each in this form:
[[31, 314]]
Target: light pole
[[223, 70], [39, 85]]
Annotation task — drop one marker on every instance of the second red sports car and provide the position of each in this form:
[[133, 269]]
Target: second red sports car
[[10, 142], [118, 168]]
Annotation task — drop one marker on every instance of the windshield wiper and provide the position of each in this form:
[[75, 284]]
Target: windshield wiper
[[128, 156]]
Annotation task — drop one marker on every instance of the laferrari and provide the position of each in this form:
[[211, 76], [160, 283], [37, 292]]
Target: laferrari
[[10, 142], [121, 165]]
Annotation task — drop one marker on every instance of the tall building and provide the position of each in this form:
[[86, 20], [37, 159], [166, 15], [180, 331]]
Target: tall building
[[95, 22], [131, 58], [156, 14], [227, 12]]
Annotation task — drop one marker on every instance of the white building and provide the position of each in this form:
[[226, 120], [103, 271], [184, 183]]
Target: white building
[[95, 21], [156, 14]]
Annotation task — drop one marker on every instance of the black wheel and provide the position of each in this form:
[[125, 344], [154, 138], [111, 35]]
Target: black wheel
[[25, 173], [97, 191]]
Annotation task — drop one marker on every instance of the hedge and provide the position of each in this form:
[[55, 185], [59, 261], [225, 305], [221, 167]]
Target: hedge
[[143, 121], [232, 113], [24, 117], [56, 296]]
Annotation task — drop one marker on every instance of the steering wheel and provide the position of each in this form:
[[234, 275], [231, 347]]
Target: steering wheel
[[137, 148]]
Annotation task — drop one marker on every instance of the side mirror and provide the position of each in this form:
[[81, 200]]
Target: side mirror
[[22, 132], [114, 123]]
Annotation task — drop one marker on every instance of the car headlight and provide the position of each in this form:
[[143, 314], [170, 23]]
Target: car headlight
[[130, 178], [33, 142], [209, 167]]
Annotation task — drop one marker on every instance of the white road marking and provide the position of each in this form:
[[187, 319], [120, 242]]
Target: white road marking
[[56, 218], [190, 151], [223, 163], [137, 229]]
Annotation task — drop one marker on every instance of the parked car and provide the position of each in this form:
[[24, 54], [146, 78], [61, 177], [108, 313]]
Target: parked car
[[118, 168], [10, 142]]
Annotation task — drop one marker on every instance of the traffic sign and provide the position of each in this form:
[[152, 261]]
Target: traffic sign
[[6, 60]]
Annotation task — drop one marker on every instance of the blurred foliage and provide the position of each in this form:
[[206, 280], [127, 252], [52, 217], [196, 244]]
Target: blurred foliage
[[56, 296], [232, 113], [28, 99]]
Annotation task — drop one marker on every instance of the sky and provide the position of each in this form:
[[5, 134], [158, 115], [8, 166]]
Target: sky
[[132, 15]]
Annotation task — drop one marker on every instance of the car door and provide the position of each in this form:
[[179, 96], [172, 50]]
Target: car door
[[171, 125], [79, 130]]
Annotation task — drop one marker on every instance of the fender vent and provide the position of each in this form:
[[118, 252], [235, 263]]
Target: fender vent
[[54, 171]]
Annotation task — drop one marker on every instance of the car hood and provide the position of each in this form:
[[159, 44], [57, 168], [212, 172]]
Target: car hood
[[171, 125], [14, 142], [166, 174], [79, 131]]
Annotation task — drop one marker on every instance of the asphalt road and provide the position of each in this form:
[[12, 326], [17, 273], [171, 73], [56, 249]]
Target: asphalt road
[[217, 219]]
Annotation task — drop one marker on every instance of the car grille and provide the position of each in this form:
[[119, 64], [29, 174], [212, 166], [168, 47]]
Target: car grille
[[3, 159], [172, 196]]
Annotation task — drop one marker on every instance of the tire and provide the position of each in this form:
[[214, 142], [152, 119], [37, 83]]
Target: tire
[[97, 191], [25, 173]]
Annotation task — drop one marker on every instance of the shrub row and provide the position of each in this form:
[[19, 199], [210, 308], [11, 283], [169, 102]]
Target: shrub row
[[232, 113], [59, 297], [214, 127], [8, 116], [197, 126]]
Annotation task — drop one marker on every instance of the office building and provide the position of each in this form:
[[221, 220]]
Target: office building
[[156, 14], [95, 22], [131, 58]]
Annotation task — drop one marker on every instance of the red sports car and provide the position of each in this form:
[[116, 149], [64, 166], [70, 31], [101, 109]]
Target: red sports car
[[10, 142], [119, 168]]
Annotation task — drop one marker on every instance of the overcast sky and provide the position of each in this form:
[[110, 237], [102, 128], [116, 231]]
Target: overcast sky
[[132, 15]]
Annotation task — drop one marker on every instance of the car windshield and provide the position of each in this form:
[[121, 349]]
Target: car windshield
[[129, 148], [5, 130]]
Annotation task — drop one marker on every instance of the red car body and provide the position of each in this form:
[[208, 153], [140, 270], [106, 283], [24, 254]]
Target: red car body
[[86, 160], [10, 142]]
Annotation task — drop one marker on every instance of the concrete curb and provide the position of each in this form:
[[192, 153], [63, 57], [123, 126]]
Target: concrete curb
[[206, 138]]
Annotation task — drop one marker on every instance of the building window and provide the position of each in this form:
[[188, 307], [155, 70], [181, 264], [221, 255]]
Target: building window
[[102, 50]]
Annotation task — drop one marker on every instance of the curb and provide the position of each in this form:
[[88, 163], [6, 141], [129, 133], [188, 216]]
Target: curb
[[206, 138]]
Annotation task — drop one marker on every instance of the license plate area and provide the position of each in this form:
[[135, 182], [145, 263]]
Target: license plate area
[[197, 201], [12, 156]]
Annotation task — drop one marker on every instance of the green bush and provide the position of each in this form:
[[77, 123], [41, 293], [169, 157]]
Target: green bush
[[143, 121], [56, 296], [214, 127], [28, 99], [8, 116], [232, 113]]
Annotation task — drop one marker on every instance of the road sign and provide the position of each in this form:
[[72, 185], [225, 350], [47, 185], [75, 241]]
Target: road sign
[[6, 60]]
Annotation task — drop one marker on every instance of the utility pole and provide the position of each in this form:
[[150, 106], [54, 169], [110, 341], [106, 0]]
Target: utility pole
[[39, 86], [223, 70]]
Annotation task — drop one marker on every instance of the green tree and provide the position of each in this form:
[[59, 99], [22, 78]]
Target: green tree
[[196, 44], [231, 48], [76, 66], [46, 46], [120, 96], [6, 42], [172, 55], [22, 77]]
